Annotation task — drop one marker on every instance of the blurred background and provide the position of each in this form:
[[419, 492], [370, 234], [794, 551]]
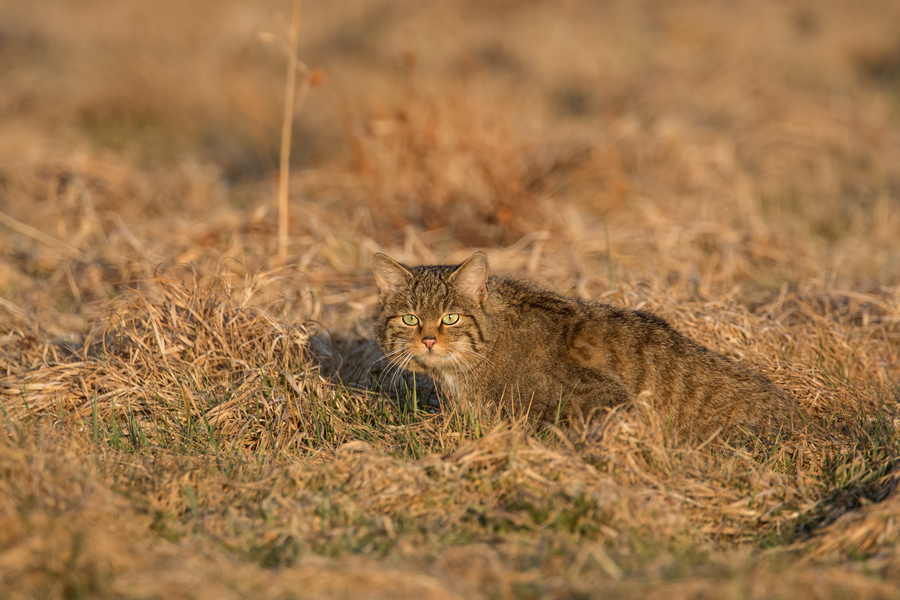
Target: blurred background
[[739, 147]]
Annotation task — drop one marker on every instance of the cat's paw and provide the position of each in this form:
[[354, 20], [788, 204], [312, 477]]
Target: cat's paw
[[583, 349]]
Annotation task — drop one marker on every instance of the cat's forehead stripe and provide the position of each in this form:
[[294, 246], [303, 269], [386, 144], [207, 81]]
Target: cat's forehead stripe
[[430, 283]]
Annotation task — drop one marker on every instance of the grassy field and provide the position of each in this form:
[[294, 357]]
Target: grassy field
[[172, 421]]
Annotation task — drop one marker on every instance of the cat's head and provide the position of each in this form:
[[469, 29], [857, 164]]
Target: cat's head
[[433, 318]]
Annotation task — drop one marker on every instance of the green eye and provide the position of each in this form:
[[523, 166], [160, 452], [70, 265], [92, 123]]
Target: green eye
[[410, 320], [450, 319]]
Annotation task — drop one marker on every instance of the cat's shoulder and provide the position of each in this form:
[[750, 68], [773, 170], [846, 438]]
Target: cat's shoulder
[[517, 291], [513, 287]]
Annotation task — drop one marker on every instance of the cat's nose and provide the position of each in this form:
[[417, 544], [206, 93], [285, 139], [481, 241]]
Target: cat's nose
[[429, 342]]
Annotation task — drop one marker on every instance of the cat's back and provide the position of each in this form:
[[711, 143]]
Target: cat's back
[[519, 299]]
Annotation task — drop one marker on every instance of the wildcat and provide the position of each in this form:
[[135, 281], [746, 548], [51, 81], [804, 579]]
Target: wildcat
[[490, 340]]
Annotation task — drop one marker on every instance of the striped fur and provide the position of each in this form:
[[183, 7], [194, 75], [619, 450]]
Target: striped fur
[[530, 349]]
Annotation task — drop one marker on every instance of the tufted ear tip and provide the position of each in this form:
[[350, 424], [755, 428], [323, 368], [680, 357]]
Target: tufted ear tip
[[471, 276], [389, 274], [380, 259]]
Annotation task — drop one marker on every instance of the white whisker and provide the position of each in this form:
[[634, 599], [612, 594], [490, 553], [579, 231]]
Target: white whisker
[[385, 357]]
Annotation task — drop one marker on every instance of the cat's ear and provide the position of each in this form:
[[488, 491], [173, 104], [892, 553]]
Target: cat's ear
[[389, 274], [471, 276]]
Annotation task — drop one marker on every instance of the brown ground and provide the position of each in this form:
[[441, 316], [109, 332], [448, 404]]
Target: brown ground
[[734, 166]]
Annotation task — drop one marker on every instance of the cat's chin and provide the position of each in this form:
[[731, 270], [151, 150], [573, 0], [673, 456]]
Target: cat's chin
[[432, 361]]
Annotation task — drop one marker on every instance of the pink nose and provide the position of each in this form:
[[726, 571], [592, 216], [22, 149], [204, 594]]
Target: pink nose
[[429, 342]]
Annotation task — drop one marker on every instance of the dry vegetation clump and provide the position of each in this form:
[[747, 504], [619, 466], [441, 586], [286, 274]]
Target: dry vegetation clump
[[184, 357], [183, 418], [440, 165]]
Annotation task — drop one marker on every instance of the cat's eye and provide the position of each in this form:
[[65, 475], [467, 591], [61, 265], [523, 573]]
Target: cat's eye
[[450, 319], [410, 320]]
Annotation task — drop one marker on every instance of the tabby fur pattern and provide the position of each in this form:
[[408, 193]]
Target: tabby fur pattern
[[493, 342]]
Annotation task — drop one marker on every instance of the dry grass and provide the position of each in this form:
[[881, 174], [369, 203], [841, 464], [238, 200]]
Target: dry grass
[[173, 420]]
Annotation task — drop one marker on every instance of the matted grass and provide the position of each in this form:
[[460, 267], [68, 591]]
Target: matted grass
[[182, 418]]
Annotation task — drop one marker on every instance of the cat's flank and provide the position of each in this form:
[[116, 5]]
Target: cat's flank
[[490, 340]]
